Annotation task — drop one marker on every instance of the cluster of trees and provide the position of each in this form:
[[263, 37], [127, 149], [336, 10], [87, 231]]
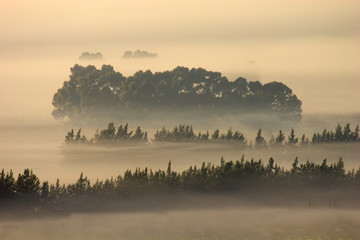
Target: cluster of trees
[[109, 135], [229, 176], [185, 133], [91, 56], [341, 134], [138, 54], [98, 93]]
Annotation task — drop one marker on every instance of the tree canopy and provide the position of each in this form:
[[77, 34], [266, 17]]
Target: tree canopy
[[98, 93], [91, 56], [147, 187]]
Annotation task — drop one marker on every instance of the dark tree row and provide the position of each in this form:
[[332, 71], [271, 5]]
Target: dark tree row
[[341, 134], [95, 93], [185, 133], [228, 176], [109, 135]]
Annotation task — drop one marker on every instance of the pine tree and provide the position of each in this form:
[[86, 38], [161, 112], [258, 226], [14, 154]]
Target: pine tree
[[347, 133], [70, 136], [215, 135], [338, 133], [28, 184], [292, 139], [7, 184], [355, 134], [259, 140], [280, 137]]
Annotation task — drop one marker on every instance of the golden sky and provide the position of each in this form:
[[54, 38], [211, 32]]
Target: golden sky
[[312, 46]]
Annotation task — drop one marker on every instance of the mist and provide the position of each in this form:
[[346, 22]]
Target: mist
[[312, 47], [306, 46], [232, 223]]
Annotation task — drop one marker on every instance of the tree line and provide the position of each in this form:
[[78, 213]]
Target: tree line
[[109, 135], [229, 176], [186, 133], [93, 93]]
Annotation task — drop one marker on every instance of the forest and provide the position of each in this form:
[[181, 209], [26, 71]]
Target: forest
[[150, 187], [186, 133], [93, 93]]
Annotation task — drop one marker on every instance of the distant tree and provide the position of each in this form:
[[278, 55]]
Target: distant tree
[[355, 135], [347, 133], [272, 142], [215, 135], [139, 135], [90, 56], [229, 135], [292, 139], [338, 134], [92, 93], [295, 167], [259, 140], [304, 141], [70, 136], [280, 137]]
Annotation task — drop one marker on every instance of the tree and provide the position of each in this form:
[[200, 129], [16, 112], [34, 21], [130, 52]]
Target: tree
[[215, 135], [280, 137], [304, 141], [28, 184], [259, 140], [292, 139], [355, 134], [338, 133], [45, 190], [295, 167], [139, 135], [7, 184], [347, 133], [70, 136]]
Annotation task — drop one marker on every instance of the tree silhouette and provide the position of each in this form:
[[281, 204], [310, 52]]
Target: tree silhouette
[[259, 140], [92, 93], [28, 184], [292, 140]]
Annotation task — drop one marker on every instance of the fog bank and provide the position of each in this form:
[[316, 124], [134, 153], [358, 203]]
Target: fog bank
[[231, 223]]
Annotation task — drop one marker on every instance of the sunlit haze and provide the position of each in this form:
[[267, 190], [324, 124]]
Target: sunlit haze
[[313, 47]]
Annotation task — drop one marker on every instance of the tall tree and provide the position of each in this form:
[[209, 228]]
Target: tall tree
[[292, 140], [259, 140]]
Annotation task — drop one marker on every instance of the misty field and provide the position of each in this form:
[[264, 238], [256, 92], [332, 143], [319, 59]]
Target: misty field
[[226, 223], [180, 120]]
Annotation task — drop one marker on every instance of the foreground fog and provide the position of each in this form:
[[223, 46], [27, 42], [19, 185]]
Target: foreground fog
[[39, 146], [312, 47], [222, 223]]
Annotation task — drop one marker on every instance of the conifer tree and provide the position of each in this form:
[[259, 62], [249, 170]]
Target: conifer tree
[[338, 133], [259, 140], [292, 139]]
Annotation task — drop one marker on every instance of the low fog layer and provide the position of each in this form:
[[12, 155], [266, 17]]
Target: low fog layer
[[311, 47], [225, 223], [38, 145]]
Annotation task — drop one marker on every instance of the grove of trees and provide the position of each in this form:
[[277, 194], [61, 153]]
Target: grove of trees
[[91, 56], [93, 93], [109, 135], [186, 133], [139, 54], [239, 176]]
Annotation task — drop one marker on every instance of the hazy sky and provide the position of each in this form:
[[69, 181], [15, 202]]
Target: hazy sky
[[312, 46]]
